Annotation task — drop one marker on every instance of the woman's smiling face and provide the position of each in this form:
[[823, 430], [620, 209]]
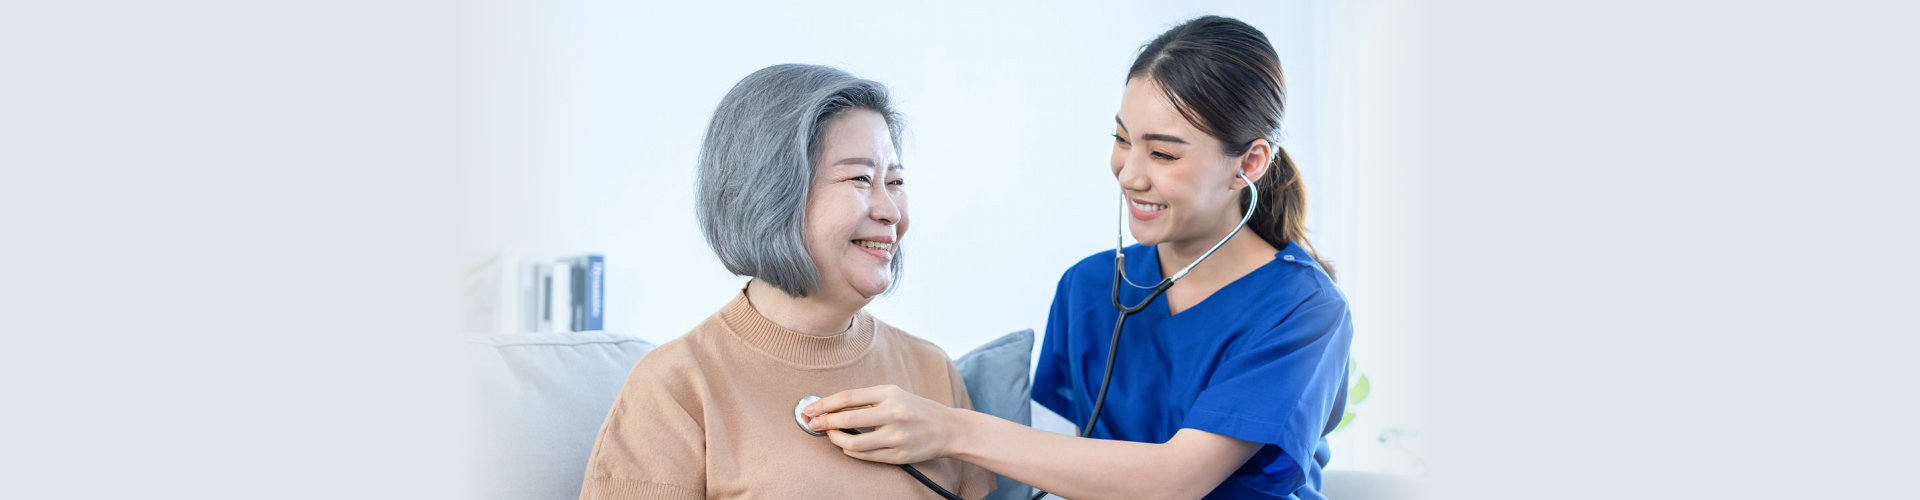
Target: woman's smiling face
[[1179, 185], [856, 208]]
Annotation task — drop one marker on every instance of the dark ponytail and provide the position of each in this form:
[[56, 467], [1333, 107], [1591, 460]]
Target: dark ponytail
[[1282, 215], [1224, 77]]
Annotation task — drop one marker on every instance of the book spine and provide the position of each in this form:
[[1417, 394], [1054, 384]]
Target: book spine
[[543, 302], [577, 310], [596, 292], [560, 304]]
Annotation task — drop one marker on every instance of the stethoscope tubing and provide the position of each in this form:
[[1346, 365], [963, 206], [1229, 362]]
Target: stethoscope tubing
[[918, 476], [1119, 274], [1113, 345]]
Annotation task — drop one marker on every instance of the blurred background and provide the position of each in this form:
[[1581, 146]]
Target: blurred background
[[1659, 249], [595, 113]]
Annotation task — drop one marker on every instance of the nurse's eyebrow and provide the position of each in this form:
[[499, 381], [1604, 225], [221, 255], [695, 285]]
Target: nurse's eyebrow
[[1163, 138], [1150, 137]]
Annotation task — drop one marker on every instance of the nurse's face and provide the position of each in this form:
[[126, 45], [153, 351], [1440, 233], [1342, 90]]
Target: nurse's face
[[857, 207], [1180, 185]]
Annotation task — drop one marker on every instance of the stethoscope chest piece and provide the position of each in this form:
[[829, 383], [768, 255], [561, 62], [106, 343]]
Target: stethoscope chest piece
[[800, 417]]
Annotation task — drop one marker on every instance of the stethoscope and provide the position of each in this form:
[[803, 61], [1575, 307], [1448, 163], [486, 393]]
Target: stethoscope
[[801, 418], [1113, 344]]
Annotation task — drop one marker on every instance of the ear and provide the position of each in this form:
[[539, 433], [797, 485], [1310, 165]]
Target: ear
[[1255, 162]]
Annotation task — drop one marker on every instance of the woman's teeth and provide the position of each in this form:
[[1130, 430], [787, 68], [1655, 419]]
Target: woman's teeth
[[1148, 207], [884, 247]]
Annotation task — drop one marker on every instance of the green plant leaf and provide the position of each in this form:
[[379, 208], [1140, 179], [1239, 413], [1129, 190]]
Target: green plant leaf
[[1344, 420], [1360, 390]]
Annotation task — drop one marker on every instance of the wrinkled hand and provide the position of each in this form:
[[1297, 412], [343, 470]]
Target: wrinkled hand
[[907, 428]]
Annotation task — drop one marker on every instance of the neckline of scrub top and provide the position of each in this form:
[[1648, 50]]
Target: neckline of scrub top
[[1166, 304]]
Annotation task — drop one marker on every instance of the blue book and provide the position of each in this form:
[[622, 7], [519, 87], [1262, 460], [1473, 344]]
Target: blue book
[[589, 293]]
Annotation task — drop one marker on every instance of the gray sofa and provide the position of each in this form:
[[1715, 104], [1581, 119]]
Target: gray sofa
[[538, 400]]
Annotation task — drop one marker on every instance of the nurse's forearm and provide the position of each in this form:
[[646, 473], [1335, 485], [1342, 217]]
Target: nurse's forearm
[[1187, 466]]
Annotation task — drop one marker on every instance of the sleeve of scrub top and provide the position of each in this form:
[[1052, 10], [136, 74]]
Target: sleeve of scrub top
[[650, 447], [1281, 386], [975, 481], [1051, 386]]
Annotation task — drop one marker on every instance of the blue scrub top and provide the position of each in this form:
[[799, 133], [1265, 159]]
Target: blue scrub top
[[1263, 359]]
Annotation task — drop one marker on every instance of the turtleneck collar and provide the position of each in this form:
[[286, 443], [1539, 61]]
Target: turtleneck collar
[[797, 349]]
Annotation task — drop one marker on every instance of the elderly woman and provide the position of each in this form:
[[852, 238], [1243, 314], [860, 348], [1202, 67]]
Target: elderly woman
[[800, 189]]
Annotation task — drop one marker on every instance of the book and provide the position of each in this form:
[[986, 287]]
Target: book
[[505, 294], [559, 297], [530, 297], [489, 300], [542, 306], [589, 292]]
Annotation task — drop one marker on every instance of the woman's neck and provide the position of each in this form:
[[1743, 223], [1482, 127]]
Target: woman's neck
[[815, 315], [1242, 253]]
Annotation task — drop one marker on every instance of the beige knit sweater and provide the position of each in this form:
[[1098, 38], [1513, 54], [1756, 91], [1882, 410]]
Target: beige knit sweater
[[710, 415]]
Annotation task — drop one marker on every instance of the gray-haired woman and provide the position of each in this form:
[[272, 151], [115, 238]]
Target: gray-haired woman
[[800, 187]]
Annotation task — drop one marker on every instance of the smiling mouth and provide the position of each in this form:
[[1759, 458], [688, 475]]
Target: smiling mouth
[[874, 245], [1147, 207]]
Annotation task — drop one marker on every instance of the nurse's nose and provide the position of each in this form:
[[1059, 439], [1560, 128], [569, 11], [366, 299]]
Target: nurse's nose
[[1132, 175]]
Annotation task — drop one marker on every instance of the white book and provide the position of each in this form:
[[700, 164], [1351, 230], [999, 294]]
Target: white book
[[528, 297], [480, 304], [543, 297], [493, 297], [560, 298]]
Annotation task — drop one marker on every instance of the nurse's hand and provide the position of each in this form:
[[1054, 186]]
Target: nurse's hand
[[907, 428]]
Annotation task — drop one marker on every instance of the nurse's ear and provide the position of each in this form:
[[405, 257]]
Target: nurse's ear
[[1254, 163]]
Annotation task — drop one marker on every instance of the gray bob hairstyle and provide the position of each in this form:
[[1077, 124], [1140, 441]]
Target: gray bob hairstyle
[[757, 165]]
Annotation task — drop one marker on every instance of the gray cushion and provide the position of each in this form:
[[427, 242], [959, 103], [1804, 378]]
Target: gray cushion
[[997, 376], [541, 398]]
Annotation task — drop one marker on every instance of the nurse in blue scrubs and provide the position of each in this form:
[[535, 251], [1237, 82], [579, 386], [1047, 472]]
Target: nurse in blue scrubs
[[1226, 385]]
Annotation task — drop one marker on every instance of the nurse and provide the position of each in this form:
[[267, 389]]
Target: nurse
[[1223, 387]]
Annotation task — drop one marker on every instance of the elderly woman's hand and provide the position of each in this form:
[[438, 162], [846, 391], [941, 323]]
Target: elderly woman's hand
[[906, 428]]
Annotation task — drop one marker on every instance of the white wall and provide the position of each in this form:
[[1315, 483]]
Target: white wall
[[597, 111], [1008, 112]]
